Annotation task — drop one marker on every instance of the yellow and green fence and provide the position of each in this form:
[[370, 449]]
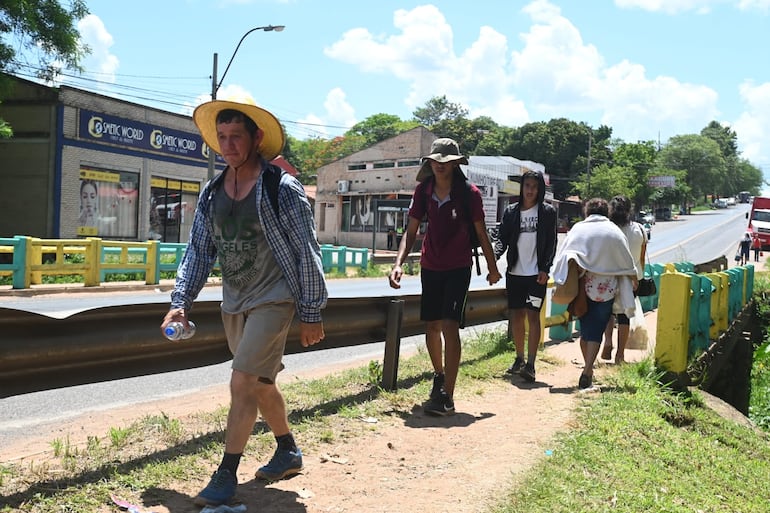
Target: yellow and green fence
[[28, 259]]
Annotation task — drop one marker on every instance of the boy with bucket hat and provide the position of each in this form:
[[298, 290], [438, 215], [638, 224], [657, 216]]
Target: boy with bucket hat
[[271, 270], [452, 207]]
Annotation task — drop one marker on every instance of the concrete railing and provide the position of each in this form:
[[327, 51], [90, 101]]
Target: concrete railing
[[28, 259]]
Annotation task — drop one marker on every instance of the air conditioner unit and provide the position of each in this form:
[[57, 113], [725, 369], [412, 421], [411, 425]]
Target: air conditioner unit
[[343, 186]]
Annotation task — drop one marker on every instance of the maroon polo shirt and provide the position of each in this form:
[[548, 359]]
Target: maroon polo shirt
[[447, 242]]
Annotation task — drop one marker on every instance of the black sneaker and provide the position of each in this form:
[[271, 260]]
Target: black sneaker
[[441, 405], [516, 367], [438, 386], [585, 382], [528, 372]]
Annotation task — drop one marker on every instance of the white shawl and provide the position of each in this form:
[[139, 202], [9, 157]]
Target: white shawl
[[598, 245]]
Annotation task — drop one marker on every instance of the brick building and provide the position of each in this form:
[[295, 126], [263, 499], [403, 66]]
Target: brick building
[[359, 198]]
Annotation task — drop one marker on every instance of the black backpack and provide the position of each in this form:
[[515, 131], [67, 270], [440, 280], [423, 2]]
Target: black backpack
[[466, 201]]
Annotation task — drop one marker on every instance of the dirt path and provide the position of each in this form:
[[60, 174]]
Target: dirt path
[[410, 462]]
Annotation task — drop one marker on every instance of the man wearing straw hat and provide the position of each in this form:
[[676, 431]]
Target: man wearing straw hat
[[271, 269]]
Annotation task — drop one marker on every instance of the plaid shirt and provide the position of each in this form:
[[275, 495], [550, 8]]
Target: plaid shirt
[[292, 241]]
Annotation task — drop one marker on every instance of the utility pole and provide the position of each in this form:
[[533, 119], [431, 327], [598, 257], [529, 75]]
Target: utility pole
[[588, 167], [215, 84], [212, 155]]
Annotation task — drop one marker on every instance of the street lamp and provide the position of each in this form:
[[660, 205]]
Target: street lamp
[[216, 85]]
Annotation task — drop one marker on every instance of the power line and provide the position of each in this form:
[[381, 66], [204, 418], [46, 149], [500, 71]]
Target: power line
[[156, 96]]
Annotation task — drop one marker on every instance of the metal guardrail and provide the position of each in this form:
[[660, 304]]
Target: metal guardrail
[[41, 353], [38, 352]]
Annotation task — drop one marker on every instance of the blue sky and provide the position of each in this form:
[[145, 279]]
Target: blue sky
[[650, 69]]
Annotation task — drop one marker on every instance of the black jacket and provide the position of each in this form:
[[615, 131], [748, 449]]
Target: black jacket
[[510, 226]]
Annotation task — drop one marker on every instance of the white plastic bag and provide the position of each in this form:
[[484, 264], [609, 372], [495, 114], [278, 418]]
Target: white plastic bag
[[638, 336]]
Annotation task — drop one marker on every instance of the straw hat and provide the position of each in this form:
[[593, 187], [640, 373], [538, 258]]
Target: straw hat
[[442, 150], [205, 117]]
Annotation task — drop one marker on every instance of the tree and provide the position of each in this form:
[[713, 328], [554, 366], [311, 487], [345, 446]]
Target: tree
[[605, 182], [700, 157], [439, 109], [639, 159], [44, 29], [492, 142], [562, 146], [740, 174], [748, 177], [379, 127], [310, 154], [725, 137]]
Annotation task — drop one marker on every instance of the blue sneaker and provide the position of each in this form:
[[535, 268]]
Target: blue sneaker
[[283, 464], [220, 490]]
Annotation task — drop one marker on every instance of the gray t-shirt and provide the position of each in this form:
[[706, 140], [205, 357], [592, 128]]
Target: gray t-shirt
[[250, 274]]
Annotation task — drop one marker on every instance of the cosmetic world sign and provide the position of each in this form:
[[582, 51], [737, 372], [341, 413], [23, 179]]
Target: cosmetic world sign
[[103, 128]]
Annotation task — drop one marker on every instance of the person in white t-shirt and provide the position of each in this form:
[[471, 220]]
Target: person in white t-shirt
[[528, 232]]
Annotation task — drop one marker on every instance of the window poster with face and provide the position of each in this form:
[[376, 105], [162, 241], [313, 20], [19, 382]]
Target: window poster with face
[[109, 203]]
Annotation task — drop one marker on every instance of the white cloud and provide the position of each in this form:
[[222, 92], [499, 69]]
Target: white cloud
[[642, 107], [670, 6], [99, 40], [697, 6], [338, 111], [555, 66], [566, 77], [753, 125], [754, 5], [422, 54], [552, 73]]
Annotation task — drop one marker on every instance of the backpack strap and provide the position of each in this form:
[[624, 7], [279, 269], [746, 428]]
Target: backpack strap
[[270, 182], [471, 226]]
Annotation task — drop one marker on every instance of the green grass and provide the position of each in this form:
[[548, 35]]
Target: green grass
[[639, 448]]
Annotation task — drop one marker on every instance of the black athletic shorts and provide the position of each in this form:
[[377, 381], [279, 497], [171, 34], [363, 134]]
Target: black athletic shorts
[[524, 292], [444, 294]]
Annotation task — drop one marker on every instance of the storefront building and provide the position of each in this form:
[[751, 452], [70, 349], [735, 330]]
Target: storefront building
[[362, 200], [85, 165]]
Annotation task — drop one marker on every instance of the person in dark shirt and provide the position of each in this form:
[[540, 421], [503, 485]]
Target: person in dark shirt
[[445, 261]]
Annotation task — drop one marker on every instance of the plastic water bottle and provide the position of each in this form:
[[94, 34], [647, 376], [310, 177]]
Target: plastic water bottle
[[176, 331]]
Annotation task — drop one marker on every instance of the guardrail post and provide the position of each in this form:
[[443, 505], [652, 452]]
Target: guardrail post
[[673, 331], [21, 276], [152, 272], [94, 248], [34, 257], [342, 259], [718, 304], [392, 344], [748, 284]]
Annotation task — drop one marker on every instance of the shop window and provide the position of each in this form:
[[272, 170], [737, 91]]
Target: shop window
[[109, 203], [172, 206]]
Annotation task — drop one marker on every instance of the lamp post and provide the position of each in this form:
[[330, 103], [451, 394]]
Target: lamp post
[[215, 85]]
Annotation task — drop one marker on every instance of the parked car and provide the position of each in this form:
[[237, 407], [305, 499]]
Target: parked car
[[645, 217]]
